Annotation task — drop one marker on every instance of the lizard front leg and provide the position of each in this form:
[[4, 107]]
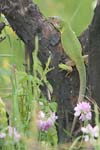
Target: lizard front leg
[[66, 67]]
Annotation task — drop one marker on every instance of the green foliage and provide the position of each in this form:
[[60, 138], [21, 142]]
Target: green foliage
[[25, 96], [77, 21], [12, 47], [77, 12]]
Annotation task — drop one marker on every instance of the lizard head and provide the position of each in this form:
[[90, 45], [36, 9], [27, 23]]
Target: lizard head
[[57, 22]]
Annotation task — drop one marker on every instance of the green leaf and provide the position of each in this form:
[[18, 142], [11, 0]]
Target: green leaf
[[78, 12], [53, 106], [81, 16], [22, 76], [65, 67]]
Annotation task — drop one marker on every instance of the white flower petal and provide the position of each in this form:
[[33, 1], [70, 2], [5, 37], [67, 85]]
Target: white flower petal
[[84, 130], [86, 138]]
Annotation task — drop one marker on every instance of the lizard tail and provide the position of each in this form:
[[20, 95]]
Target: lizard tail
[[82, 76]]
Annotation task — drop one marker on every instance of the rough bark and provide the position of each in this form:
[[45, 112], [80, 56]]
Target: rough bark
[[2, 25], [94, 56], [26, 19]]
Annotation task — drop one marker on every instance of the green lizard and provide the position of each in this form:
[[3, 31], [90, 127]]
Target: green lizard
[[72, 48]]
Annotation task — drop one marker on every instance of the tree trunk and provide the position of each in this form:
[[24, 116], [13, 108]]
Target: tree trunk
[[94, 56]]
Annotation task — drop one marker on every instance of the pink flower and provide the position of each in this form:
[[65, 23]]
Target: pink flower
[[13, 132], [2, 135], [44, 124], [90, 132], [53, 117], [83, 109], [16, 136]]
